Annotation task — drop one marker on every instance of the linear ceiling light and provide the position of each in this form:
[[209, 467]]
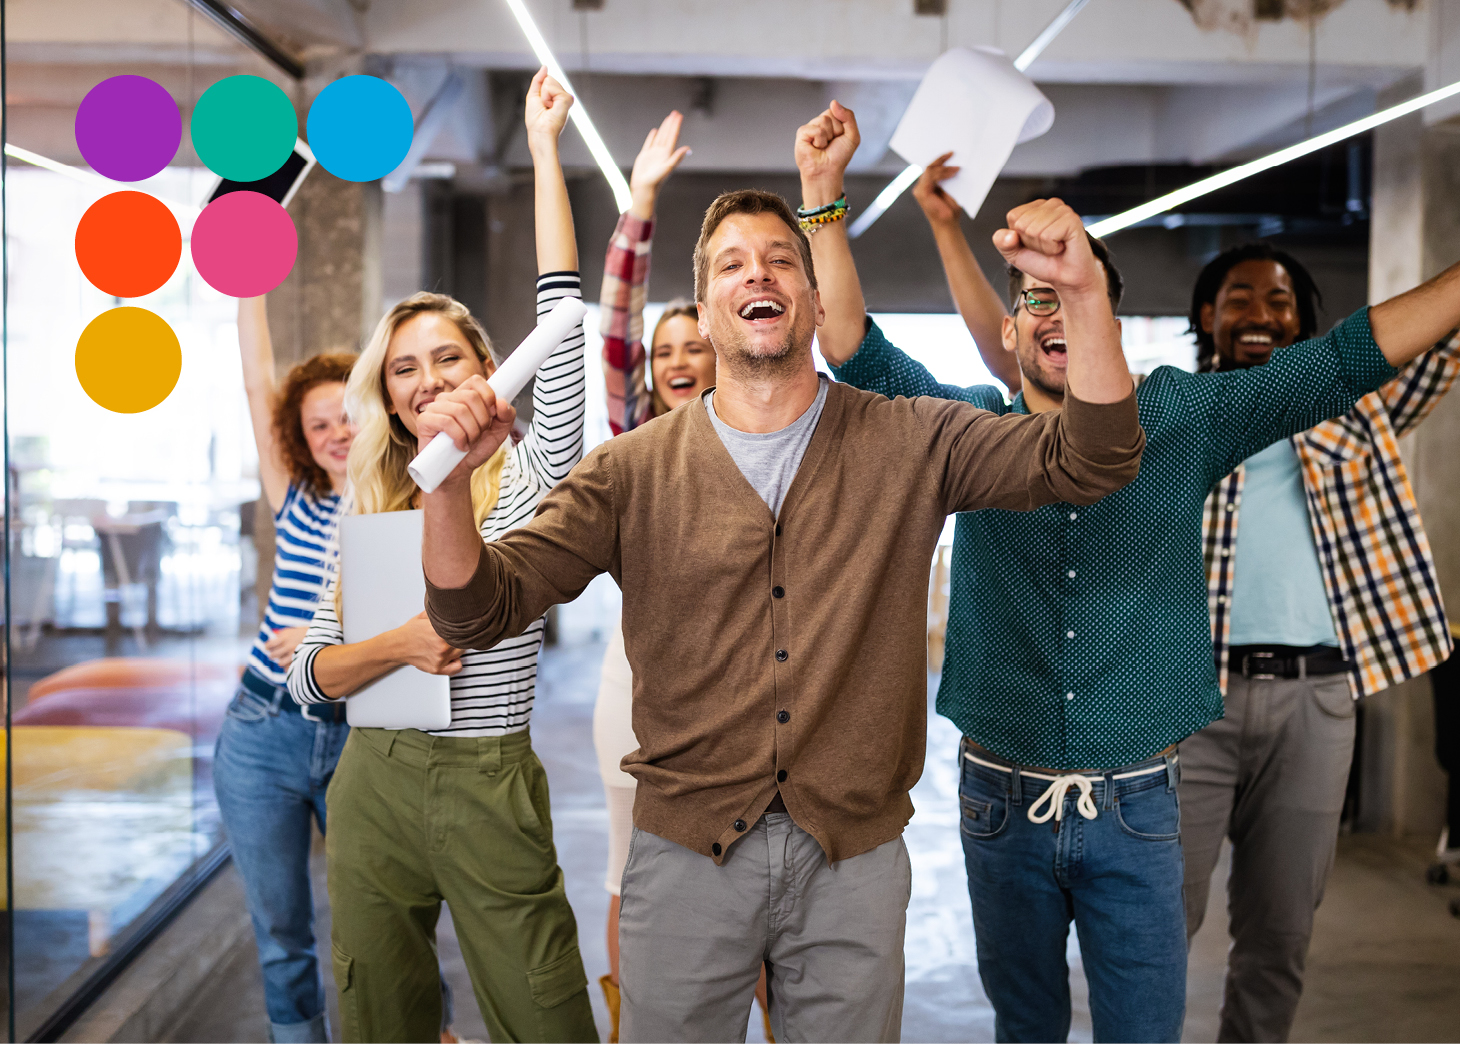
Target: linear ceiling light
[[87, 177], [577, 113], [898, 185], [1227, 177]]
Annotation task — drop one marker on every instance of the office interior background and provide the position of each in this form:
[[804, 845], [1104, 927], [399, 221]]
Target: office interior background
[[138, 549]]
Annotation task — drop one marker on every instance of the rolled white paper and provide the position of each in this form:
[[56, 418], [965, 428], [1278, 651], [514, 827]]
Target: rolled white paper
[[977, 104], [441, 456]]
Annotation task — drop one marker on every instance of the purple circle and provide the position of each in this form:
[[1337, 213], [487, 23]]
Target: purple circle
[[128, 128]]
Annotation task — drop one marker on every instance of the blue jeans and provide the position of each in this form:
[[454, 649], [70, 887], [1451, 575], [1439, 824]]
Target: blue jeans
[[1118, 876], [270, 771]]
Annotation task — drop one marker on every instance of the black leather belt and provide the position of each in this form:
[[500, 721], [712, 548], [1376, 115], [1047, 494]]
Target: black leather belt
[[280, 702], [1286, 661]]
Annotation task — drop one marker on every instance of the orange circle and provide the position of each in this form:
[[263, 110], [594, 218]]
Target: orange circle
[[128, 244], [128, 360]]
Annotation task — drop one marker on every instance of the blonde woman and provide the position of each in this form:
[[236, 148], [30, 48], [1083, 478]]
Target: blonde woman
[[461, 814]]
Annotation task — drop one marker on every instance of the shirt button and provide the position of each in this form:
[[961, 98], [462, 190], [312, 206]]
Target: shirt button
[[739, 826], [1072, 574], [781, 655], [781, 776], [783, 716], [1231, 505], [1069, 634], [715, 848], [1069, 695], [1074, 515], [778, 592], [1221, 599], [1226, 552]]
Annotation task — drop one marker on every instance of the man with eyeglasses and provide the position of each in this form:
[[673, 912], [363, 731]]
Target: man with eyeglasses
[[1079, 648]]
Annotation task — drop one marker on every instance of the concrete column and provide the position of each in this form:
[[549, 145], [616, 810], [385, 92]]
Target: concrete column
[[1415, 235], [332, 298]]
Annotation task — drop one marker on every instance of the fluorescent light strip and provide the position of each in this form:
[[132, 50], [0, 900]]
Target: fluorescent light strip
[[888, 196], [94, 180], [1227, 177], [577, 113], [898, 185]]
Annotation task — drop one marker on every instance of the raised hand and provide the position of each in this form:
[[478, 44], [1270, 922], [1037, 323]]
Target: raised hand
[[474, 418], [547, 109], [939, 207], [1047, 241], [824, 147], [655, 162]]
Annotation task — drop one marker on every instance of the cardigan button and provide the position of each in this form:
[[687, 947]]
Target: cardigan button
[[739, 826], [781, 776], [783, 716], [781, 655], [778, 529], [778, 592], [715, 848]]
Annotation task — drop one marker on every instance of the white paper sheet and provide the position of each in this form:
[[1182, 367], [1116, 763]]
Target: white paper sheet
[[977, 104]]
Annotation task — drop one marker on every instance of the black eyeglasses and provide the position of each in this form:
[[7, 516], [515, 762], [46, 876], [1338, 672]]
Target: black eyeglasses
[[1042, 302]]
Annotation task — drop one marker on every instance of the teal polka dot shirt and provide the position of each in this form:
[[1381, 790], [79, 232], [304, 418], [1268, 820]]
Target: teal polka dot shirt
[[1079, 637]]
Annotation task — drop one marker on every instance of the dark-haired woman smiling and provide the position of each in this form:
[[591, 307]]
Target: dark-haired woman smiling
[[273, 762]]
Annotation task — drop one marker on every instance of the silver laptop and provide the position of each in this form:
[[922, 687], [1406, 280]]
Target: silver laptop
[[383, 587]]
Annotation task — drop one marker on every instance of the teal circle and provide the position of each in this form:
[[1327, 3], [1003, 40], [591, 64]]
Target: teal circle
[[243, 128], [360, 128]]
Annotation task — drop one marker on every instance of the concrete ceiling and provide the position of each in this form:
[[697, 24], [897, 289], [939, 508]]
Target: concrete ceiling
[[1133, 81]]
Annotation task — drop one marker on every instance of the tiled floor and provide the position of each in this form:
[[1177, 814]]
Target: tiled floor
[[1385, 962]]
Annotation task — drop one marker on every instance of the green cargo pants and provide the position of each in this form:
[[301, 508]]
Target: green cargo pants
[[417, 819]]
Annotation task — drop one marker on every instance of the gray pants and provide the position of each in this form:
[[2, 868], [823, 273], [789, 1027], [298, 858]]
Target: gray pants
[[693, 937], [1271, 776]]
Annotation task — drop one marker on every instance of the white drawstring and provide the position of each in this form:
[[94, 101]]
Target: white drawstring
[[1055, 795]]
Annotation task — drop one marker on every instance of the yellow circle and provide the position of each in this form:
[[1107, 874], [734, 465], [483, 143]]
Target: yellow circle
[[128, 360]]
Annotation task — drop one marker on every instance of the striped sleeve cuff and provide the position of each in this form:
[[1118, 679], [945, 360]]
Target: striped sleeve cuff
[[302, 686]]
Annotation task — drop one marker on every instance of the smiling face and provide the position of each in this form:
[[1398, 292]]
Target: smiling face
[[682, 363], [1255, 312], [327, 429], [1038, 342], [759, 308], [427, 355]]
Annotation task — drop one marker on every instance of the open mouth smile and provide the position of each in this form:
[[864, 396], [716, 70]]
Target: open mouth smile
[[761, 310], [681, 383]]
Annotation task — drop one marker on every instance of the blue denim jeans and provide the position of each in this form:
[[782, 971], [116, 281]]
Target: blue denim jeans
[[270, 771], [1118, 876]]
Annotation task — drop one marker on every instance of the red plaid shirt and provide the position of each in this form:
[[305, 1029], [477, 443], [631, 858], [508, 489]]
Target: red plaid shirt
[[625, 284]]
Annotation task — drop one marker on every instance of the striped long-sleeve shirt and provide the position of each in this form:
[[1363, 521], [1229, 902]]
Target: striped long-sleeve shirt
[[493, 693], [1382, 588], [621, 306]]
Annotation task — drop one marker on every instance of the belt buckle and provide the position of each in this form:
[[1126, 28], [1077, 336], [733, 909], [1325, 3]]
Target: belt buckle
[[1247, 659]]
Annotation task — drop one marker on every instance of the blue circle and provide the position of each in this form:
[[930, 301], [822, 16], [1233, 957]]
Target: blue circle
[[360, 128]]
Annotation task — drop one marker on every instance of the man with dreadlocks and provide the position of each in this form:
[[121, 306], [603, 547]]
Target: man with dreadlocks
[[1327, 592]]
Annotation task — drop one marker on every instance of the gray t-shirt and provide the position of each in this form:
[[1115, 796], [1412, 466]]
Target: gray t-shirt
[[769, 461]]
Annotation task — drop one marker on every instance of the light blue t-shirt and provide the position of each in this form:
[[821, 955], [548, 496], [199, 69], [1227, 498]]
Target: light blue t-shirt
[[1278, 596]]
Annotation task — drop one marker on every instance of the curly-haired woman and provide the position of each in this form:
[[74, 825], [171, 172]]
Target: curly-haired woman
[[273, 761]]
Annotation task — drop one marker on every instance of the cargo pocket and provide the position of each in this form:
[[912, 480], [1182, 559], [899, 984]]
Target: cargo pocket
[[349, 995], [554, 983]]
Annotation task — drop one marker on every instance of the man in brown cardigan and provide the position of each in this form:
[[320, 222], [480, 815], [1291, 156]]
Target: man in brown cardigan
[[773, 540]]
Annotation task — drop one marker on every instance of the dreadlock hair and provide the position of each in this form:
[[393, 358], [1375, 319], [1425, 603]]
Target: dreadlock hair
[[1209, 284]]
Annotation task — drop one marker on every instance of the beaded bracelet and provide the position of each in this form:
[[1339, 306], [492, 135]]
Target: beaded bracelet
[[814, 220]]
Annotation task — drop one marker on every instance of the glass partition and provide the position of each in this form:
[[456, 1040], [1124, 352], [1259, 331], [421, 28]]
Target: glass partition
[[131, 597]]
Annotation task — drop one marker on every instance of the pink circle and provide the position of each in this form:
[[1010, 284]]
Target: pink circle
[[244, 244]]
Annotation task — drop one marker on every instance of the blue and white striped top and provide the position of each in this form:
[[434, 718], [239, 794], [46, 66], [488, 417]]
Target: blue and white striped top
[[493, 693], [304, 527]]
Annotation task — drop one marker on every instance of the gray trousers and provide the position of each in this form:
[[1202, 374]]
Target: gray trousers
[[693, 937], [1271, 776]]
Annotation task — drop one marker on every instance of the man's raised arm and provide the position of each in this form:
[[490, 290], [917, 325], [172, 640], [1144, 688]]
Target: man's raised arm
[[1407, 326], [824, 147]]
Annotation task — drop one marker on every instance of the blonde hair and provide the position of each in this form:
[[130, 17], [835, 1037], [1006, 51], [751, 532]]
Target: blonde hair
[[383, 444], [680, 306]]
